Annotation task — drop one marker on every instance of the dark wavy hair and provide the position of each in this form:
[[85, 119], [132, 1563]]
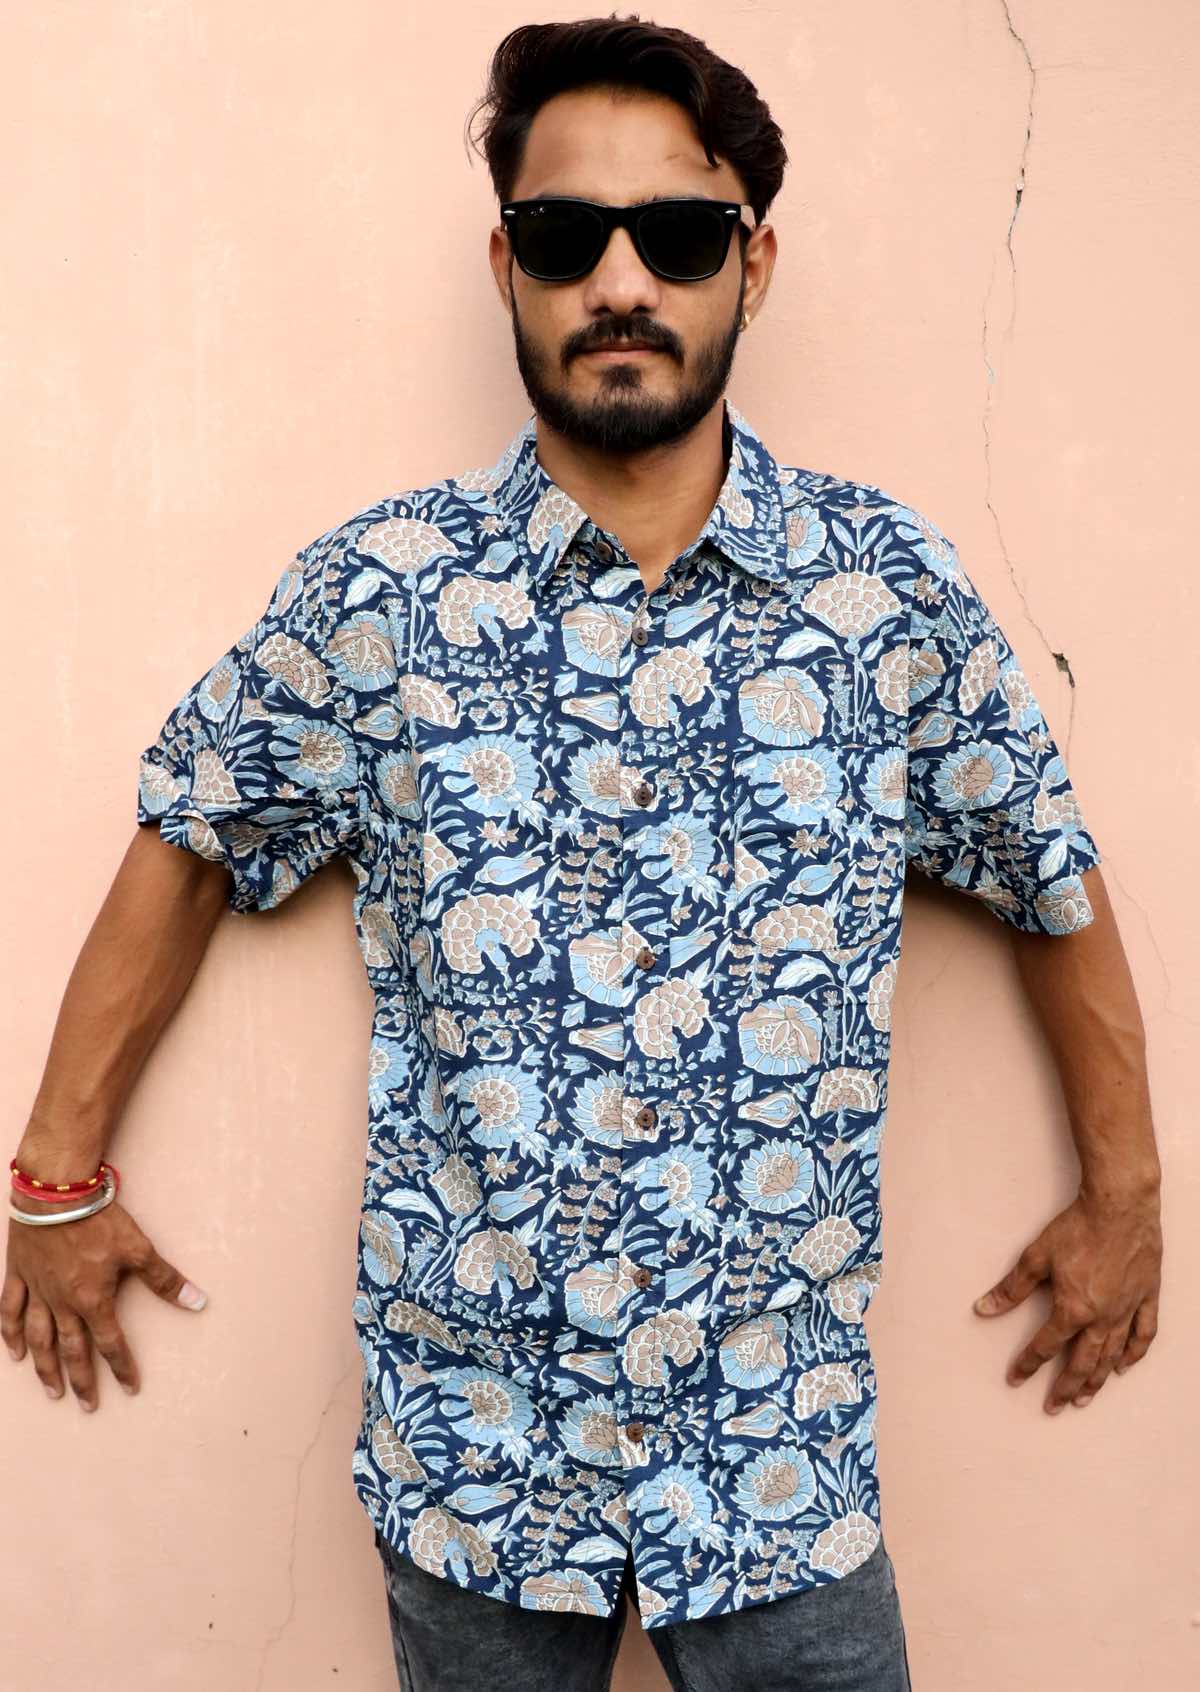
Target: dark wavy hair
[[536, 61]]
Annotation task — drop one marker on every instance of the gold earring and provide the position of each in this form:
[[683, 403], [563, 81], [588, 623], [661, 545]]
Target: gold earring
[[745, 320]]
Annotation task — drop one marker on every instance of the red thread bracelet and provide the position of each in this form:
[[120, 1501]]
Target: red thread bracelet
[[65, 1198], [68, 1187], [53, 1192]]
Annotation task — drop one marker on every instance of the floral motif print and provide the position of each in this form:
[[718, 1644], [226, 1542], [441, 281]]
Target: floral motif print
[[629, 874]]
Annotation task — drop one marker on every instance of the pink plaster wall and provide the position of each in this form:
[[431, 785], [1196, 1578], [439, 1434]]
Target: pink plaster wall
[[247, 293]]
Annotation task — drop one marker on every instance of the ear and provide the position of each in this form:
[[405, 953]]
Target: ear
[[501, 260]]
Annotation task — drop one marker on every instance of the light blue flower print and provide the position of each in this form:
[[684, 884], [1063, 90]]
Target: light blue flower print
[[486, 1406], [777, 1177], [590, 779], [596, 1110], [493, 774], [973, 777], [382, 1246], [317, 755], [675, 1505], [780, 1036], [594, 1294], [783, 706], [589, 1431], [676, 1184], [883, 784], [500, 1104], [360, 650], [755, 1353], [397, 783], [596, 967], [802, 787], [807, 533], [679, 854], [594, 637], [777, 1484], [218, 692], [387, 1068], [932, 548]]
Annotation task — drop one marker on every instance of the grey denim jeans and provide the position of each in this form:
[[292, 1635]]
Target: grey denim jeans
[[845, 1635]]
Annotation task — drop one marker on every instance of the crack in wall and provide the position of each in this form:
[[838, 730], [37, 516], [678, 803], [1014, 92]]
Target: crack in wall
[[1167, 1005], [1060, 658], [270, 1643]]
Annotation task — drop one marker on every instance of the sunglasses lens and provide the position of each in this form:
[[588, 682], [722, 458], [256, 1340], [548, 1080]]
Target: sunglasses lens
[[684, 243], [554, 241]]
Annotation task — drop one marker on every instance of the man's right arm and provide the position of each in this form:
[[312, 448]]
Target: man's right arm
[[134, 967]]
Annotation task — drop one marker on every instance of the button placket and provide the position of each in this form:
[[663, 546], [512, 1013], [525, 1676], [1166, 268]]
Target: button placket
[[634, 751], [647, 634]]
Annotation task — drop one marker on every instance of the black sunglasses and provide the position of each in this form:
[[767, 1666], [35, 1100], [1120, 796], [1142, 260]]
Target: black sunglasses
[[560, 240]]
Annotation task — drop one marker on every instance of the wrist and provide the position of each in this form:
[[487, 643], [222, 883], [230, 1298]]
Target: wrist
[[1128, 1184], [49, 1158]]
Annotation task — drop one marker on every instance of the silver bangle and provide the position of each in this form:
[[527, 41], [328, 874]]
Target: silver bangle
[[106, 1196]]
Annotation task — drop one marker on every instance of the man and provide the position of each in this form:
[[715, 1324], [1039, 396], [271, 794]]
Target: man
[[628, 741]]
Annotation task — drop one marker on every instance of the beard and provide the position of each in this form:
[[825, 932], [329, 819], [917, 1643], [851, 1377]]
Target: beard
[[624, 416]]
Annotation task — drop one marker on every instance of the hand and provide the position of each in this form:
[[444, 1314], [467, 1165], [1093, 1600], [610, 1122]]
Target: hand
[[60, 1291], [1103, 1259]]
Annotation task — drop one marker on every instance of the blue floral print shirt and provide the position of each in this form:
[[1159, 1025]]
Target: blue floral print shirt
[[629, 876]]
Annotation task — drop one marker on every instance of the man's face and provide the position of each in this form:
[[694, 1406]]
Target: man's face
[[619, 150]]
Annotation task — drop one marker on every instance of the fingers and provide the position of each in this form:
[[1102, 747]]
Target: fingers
[[1046, 1343], [41, 1338], [1145, 1326], [1028, 1272], [1113, 1346], [12, 1310], [75, 1351], [1085, 1356], [111, 1344], [1098, 1349], [163, 1278]]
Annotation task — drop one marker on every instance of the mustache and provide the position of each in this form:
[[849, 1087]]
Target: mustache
[[632, 337]]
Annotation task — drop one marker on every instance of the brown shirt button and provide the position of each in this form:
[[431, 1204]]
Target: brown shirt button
[[642, 1277], [634, 1430], [646, 1117], [643, 957], [643, 793]]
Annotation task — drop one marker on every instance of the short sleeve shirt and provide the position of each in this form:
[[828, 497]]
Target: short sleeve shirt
[[629, 873]]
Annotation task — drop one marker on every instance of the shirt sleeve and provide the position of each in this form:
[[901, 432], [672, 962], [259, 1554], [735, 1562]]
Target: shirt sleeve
[[990, 807], [255, 766]]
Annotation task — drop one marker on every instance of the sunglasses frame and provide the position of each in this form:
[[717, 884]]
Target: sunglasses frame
[[629, 218]]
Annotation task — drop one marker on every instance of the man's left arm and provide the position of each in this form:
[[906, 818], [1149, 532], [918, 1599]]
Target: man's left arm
[[1102, 1255]]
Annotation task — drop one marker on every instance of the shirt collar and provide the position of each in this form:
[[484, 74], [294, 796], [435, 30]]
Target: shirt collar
[[748, 523]]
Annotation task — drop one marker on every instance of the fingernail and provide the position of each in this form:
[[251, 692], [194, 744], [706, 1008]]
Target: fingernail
[[128, 1388], [14, 1354], [86, 1404], [1053, 1409], [191, 1295], [1086, 1399], [52, 1391]]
